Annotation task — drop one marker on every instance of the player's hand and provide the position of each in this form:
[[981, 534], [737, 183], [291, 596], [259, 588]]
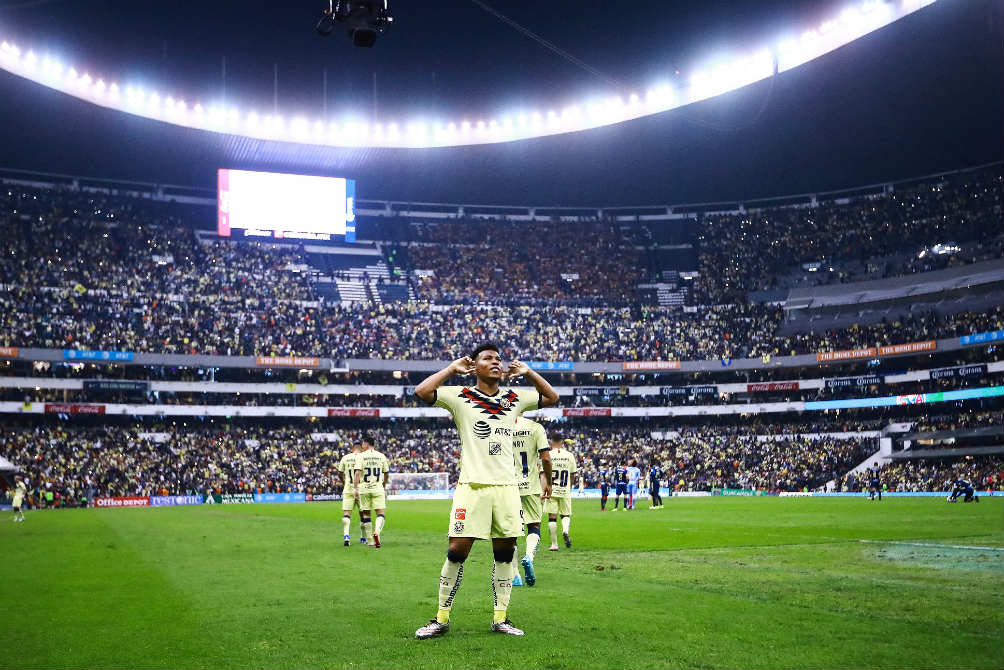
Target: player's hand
[[462, 366], [517, 369], [545, 492]]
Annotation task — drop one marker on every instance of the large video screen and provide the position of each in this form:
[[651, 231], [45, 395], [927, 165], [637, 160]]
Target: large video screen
[[270, 204]]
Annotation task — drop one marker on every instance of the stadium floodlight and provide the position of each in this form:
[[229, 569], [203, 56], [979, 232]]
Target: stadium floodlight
[[715, 78], [659, 97], [299, 128]]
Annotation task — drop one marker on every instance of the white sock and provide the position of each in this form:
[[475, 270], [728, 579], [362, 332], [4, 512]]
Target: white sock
[[566, 521], [449, 583], [502, 574], [379, 524], [532, 541], [552, 527], [367, 529], [346, 525]]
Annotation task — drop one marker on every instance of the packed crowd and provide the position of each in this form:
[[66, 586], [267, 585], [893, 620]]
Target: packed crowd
[[984, 472], [500, 260], [87, 271], [111, 460], [751, 251], [114, 461], [898, 265], [142, 323], [84, 461], [960, 421], [701, 459]]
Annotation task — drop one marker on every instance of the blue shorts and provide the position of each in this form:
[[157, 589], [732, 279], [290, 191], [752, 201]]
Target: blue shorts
[[604, 489], [621, 489]]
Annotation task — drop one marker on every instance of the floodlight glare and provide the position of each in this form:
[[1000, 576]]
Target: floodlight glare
[[361, 16]]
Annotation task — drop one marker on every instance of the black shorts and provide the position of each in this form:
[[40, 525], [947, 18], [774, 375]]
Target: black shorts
[[622, 488], [653, 488]]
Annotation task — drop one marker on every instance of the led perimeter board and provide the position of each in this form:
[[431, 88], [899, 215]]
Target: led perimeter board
[[270, 204]]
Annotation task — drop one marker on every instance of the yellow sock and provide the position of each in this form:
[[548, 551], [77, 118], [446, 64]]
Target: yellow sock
[[443, 616], [499, 616]]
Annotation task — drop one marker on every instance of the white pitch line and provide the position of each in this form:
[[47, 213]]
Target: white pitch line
[[936, 546]]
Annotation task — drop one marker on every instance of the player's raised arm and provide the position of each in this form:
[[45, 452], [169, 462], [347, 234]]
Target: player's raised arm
[[426, 390], [548, 396]]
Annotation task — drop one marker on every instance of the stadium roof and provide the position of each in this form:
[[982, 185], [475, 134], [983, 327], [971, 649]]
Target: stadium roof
[[921, 95]]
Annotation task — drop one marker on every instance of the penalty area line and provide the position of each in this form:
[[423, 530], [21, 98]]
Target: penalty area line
[[933, 545]]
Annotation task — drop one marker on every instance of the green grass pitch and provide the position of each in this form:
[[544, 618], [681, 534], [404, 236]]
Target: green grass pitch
[[702, 583]]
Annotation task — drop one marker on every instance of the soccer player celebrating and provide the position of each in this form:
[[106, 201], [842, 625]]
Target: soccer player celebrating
[[563, 467], [486, 502], [20, 489], [350, 493], [654, 473], [371, 475], [533, 477]]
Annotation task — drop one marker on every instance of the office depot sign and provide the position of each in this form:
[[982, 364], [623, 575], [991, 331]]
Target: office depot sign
[[131, 501]]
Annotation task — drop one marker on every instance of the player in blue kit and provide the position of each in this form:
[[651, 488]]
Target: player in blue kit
[[633, 475], [654, 473], [620, 486], [874, 482], [963, 487]]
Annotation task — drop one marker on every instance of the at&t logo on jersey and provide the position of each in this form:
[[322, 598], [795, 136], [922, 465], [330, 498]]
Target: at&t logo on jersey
[[482, 429]]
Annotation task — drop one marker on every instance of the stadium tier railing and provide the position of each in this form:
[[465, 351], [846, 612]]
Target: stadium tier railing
[[389, 208], [395, 390], [620, 367], [126, 409], [877, 290]]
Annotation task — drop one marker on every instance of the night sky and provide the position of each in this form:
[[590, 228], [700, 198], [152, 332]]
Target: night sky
[[920, 96]]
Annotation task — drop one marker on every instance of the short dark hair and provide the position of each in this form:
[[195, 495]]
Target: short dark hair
[[367, 438], [485, 346]]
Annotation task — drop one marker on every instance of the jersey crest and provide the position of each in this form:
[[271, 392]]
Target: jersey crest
[[494, 408]]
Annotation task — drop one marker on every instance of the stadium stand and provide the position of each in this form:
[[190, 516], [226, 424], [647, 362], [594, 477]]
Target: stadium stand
[[911, 263]]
